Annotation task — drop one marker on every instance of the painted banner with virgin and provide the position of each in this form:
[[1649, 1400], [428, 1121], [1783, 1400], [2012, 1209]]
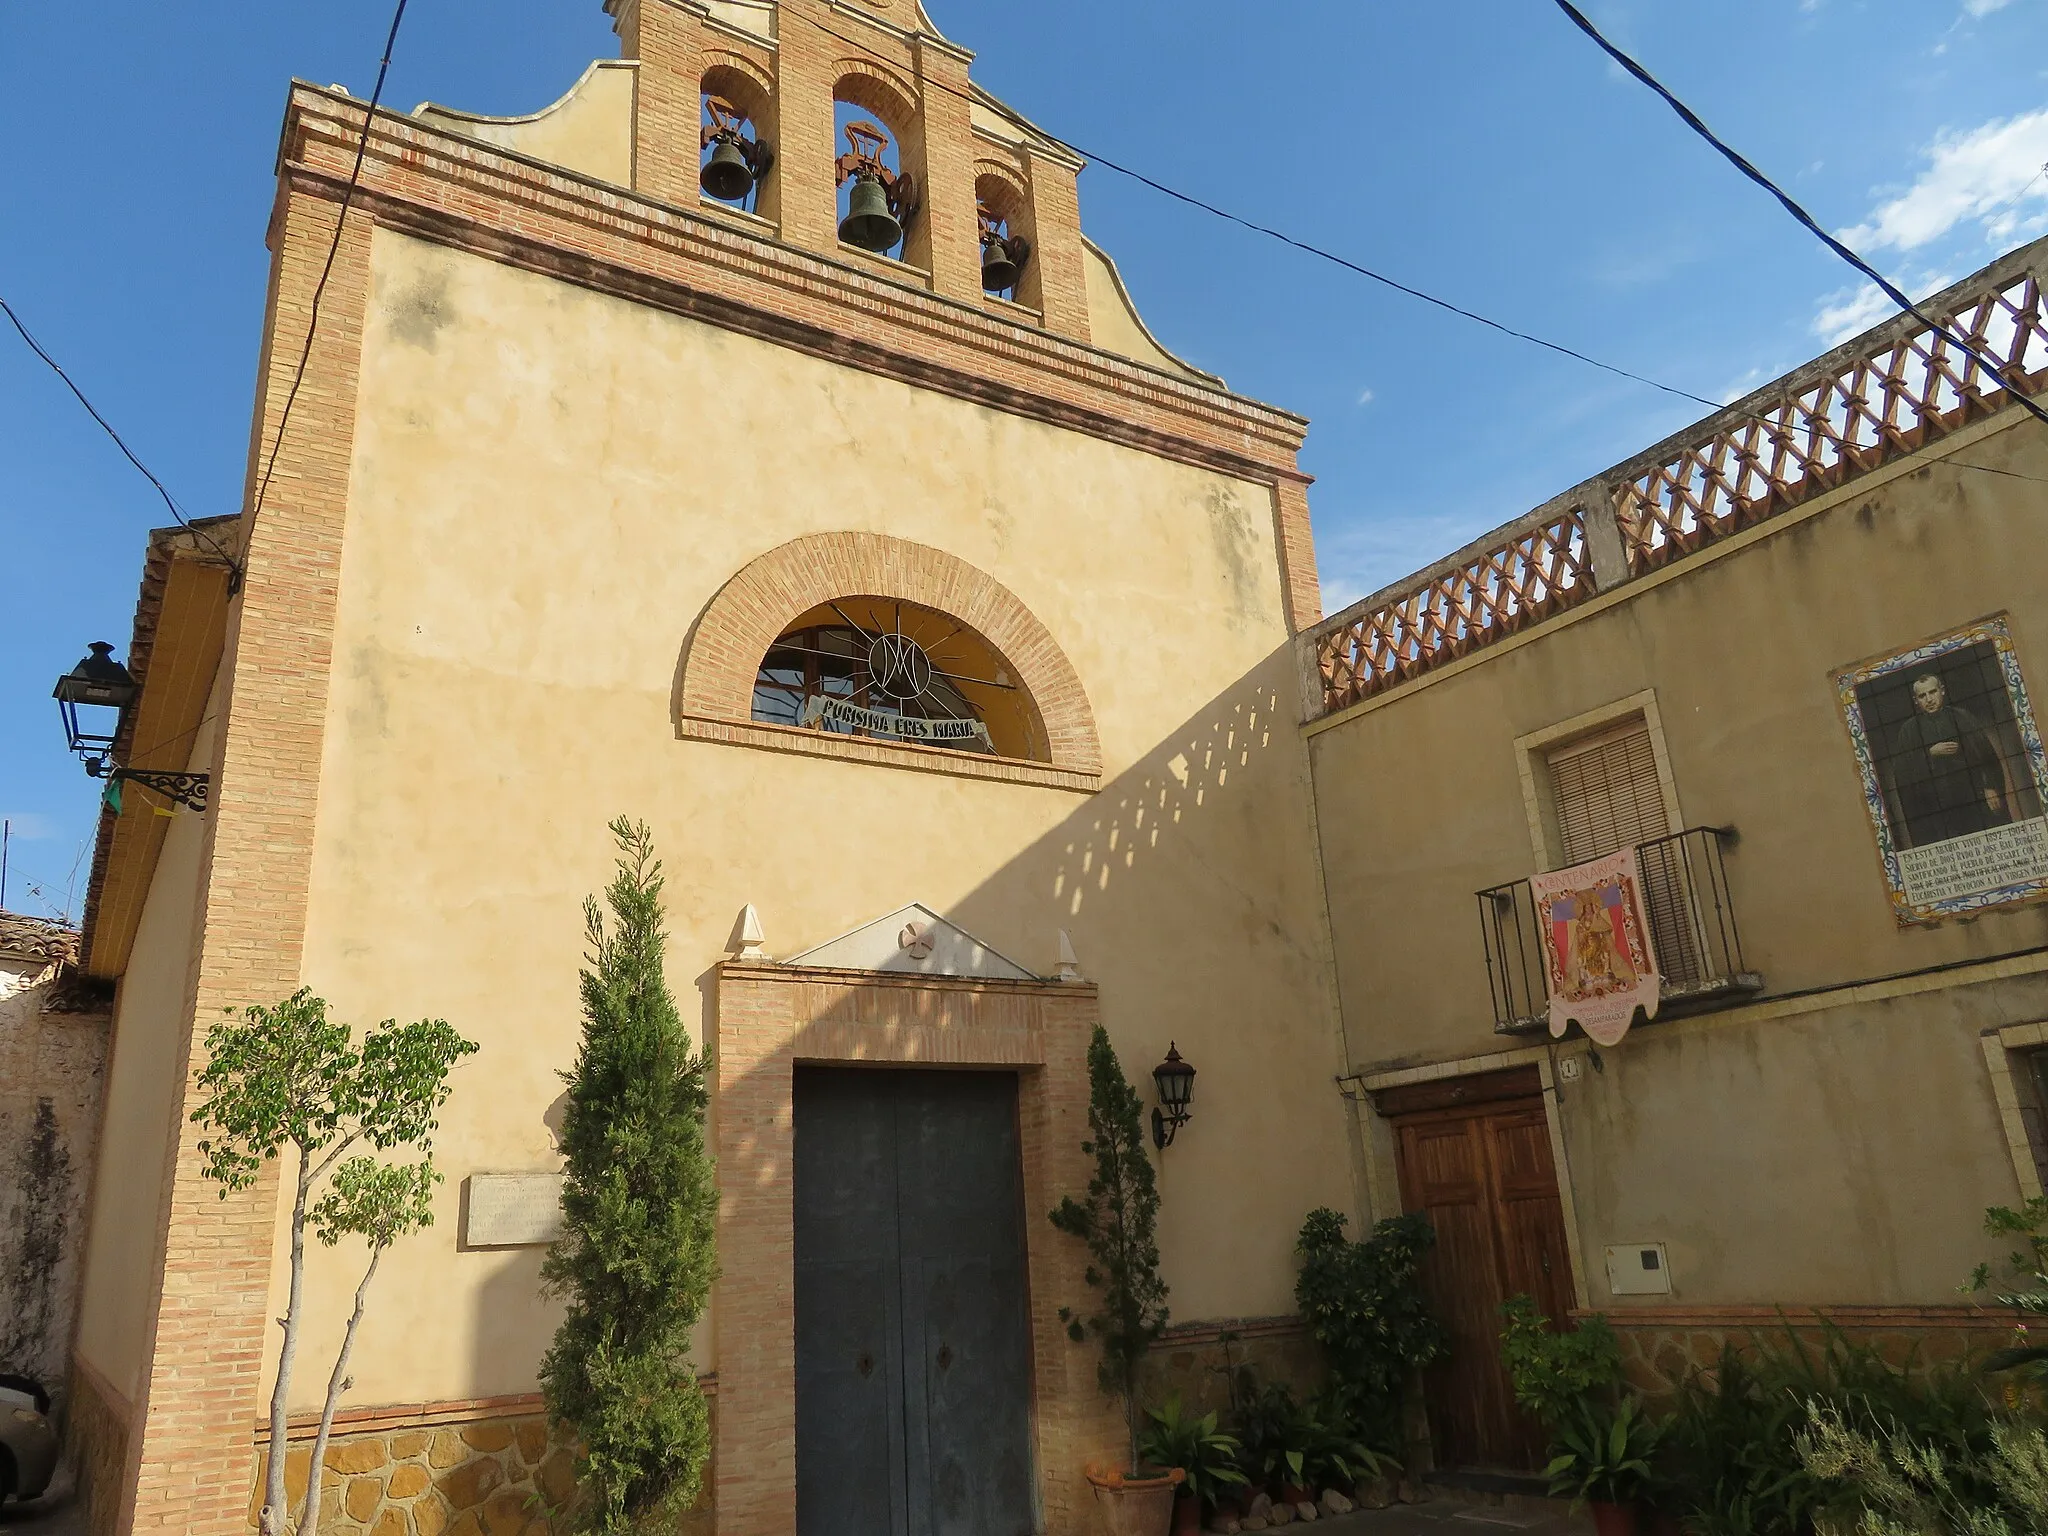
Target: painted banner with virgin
[[1599, 964]]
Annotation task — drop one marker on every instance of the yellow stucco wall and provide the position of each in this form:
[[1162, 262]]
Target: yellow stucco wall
[[150, 1017], [548, 487], [1844, 1155], [1114, 323], [590, 130]]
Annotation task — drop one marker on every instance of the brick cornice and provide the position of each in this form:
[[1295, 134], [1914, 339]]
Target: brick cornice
[[439, 186]]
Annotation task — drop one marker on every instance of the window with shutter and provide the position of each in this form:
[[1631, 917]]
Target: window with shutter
[[1607, 793], [1608, 797]]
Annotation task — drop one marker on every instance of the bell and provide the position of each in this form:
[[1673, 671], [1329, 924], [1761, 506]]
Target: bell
[[726, 174], [998, 272], [868, 223]]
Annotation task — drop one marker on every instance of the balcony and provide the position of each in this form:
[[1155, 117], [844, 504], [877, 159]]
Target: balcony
[[1692, 926]]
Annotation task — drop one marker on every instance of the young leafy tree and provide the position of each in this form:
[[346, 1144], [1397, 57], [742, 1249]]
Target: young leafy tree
[[287, 1076], [1119, 1222], [636, 1256]]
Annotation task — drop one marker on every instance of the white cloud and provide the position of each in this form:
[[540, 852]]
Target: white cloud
[[1742, 386], [1851, 311], [1339, 593], [1365, 397], [27, 826], [1988, 174], [1984, 7]]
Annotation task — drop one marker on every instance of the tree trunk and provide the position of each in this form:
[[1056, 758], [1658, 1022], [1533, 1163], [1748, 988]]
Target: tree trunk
[[337, 1383], [274, 1519]]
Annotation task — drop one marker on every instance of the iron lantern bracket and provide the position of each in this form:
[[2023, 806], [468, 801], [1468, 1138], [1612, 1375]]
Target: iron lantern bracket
[[186, 789], [1164, 1124]]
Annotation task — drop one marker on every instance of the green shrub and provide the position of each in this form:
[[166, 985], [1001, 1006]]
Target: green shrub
[[1364, 1305], [2024, 1287], [1602, 1454], [1273, 1433], [1207, 1455], [1553, 1372], [1732, 1459], [1900, 1485]]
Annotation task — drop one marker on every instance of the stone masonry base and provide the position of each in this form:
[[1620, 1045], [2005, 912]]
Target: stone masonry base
[[493, 1476]]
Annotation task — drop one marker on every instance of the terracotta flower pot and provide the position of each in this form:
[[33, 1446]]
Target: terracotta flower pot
[[1187, 1515], [1614, 1519], [1128, 1505]]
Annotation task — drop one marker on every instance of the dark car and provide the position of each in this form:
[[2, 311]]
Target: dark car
[[28, 1443]]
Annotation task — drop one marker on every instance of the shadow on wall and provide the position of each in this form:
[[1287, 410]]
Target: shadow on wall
[[513, 1324], [1188, 887]]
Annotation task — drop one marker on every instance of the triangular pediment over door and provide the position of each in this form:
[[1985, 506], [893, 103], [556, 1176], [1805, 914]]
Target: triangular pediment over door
[[915, 939]]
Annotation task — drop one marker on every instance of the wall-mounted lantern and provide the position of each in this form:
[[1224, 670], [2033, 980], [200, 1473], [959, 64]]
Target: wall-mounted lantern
[[1176, 1082], [99, 683]]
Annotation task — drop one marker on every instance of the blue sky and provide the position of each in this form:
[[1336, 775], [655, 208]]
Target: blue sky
[[1481, 150]]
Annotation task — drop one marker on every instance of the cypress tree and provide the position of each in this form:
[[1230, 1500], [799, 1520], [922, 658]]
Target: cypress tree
[[1119, 1222], [635, 1260]]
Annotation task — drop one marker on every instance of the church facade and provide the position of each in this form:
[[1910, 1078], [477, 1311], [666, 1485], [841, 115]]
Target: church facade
[[754, 444], [947, 629]]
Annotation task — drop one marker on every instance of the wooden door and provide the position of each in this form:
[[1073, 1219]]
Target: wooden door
[[913, 1385], [1483, 1174]]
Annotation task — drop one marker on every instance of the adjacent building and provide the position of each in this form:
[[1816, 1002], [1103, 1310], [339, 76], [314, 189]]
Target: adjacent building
[[1785, 657], [53, 1046]]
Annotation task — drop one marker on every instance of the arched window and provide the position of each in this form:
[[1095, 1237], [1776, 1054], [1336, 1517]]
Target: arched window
[[898, 672]]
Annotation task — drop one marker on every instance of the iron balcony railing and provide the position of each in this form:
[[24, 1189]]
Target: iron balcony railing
[[1692, 925]]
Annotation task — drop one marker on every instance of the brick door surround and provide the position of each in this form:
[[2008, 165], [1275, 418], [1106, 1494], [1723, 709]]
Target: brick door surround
[[773, 1017]]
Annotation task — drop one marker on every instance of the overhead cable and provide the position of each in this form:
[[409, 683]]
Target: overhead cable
[[1315, 250], [333, 250], [1734, 158], [1428, 298], [178, 512]]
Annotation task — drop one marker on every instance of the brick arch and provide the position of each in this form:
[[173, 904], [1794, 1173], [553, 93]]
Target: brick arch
[[725, 64], [876, 89], [739, 625], [1006, 180]]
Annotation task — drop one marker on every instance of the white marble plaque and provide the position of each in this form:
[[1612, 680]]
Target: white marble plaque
[[1991, 860], [513, 1210]]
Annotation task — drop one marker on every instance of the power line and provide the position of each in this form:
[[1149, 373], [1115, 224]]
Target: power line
[[1316, 250], [1734, 158], [333, 250], [178, 512]]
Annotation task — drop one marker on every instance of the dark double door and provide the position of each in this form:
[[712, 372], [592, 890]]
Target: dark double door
[[1474, 1156], [913, 1377]]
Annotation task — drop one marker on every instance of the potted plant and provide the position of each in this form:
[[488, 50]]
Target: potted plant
[[1334, 1455], [1118, 1222], [1269, 1426], [1206, 1457], [1602, 1457]]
